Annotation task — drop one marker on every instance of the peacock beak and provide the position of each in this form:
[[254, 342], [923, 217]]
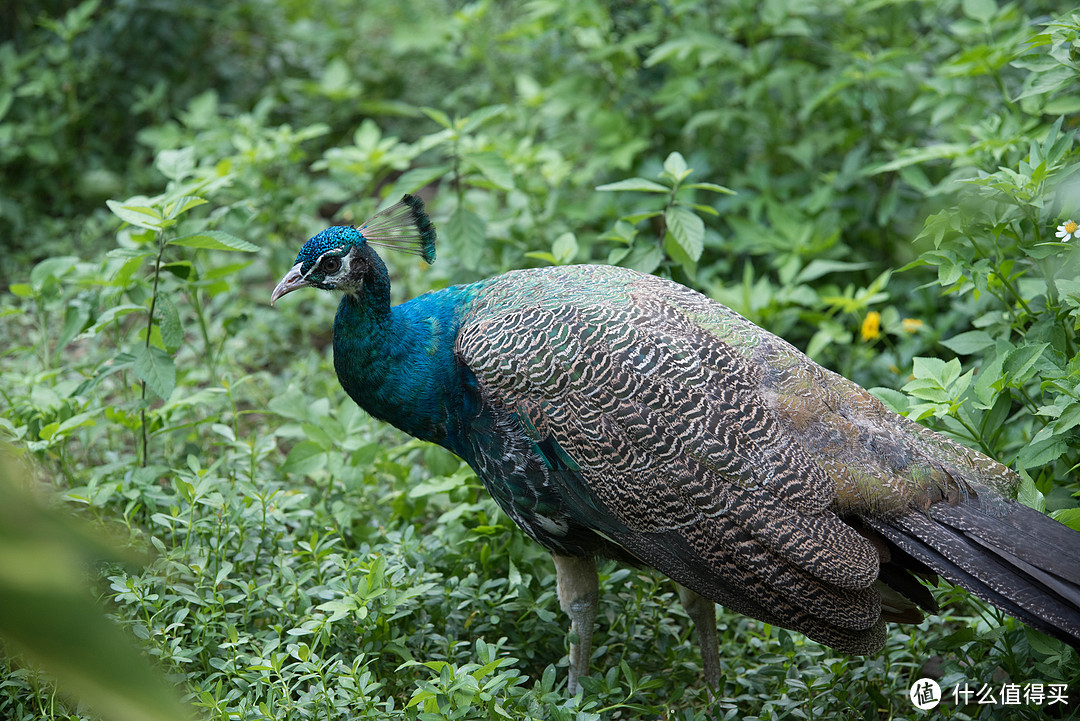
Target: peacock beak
[[293, 279]]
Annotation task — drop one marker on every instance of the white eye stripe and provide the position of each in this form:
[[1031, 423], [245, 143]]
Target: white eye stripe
[[343, 271]]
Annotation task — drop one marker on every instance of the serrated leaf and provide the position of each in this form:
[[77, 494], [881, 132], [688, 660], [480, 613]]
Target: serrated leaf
[[214, 240], [172, 333], [1020, 361], [139, 216], [640, 184], [157, 369], [688, 229]]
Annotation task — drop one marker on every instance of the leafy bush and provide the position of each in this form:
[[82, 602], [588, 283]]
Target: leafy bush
[[898, 173]]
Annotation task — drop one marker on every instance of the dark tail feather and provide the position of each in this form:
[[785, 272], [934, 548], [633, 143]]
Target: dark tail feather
[[1025, 563]]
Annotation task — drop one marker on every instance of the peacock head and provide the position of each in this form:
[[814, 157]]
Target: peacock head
[[340, 257]]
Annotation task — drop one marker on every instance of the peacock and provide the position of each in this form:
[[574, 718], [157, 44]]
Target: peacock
[[614, 414]]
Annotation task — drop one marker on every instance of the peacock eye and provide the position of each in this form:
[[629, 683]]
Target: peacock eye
[[331, 264]]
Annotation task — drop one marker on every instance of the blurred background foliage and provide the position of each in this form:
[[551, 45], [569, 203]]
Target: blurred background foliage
[[899, 171]]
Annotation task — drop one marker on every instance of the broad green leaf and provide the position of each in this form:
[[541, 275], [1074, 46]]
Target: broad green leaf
[[822, 266], [1020, 362], [981, 10], [1040, 453], [305, 458], [176, 164], [465, 232], [140, 216], [675, 166], [51, 269], [478, 117], [22, 290], [214, 240], [688, 229], [493, 167], [565, 248], [172, 334], [970, 342], [48, 432], [109, 315], [157, 369], [182, 205], [989, 382], [438, 116], [415, 179], [641, 184]]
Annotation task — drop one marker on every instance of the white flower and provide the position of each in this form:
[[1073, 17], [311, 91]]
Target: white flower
[[1068, 229]]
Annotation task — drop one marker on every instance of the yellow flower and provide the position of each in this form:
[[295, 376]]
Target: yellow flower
[[911, 324], [871, 325]]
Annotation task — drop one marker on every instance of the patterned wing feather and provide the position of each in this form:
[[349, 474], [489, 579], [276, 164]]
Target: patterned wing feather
[[671, 412]]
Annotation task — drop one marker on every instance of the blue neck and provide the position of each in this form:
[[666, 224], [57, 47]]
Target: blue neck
[[398, 363]]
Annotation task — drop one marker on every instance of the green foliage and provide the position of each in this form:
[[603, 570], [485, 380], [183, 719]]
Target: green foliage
[[46, 611], [898, 170]]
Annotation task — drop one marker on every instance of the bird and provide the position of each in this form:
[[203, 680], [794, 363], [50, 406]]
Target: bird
[[618, 415]]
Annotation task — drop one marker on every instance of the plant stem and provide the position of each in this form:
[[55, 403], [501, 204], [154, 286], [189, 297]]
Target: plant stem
[[149, 328]]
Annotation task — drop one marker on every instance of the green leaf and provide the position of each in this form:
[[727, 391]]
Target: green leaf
[[1040, 453], [493, 167], [214, 240], [415, 179], [182, 205], [22, 290], [138, 215], [981, 10], [675, 167], [465, 231], [1020, 362], [565, 248], [172, 333], [894, 399], [640, 184], [970, 342], [822, 266], [157, 369], [688, 230], [305, 458], [438, 116], [80, 420], [713, 187], [176, 164], [480, 116], [109, 315]]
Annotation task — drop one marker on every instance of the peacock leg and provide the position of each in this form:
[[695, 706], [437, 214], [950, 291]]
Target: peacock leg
[[702, 612], [579, 593]]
